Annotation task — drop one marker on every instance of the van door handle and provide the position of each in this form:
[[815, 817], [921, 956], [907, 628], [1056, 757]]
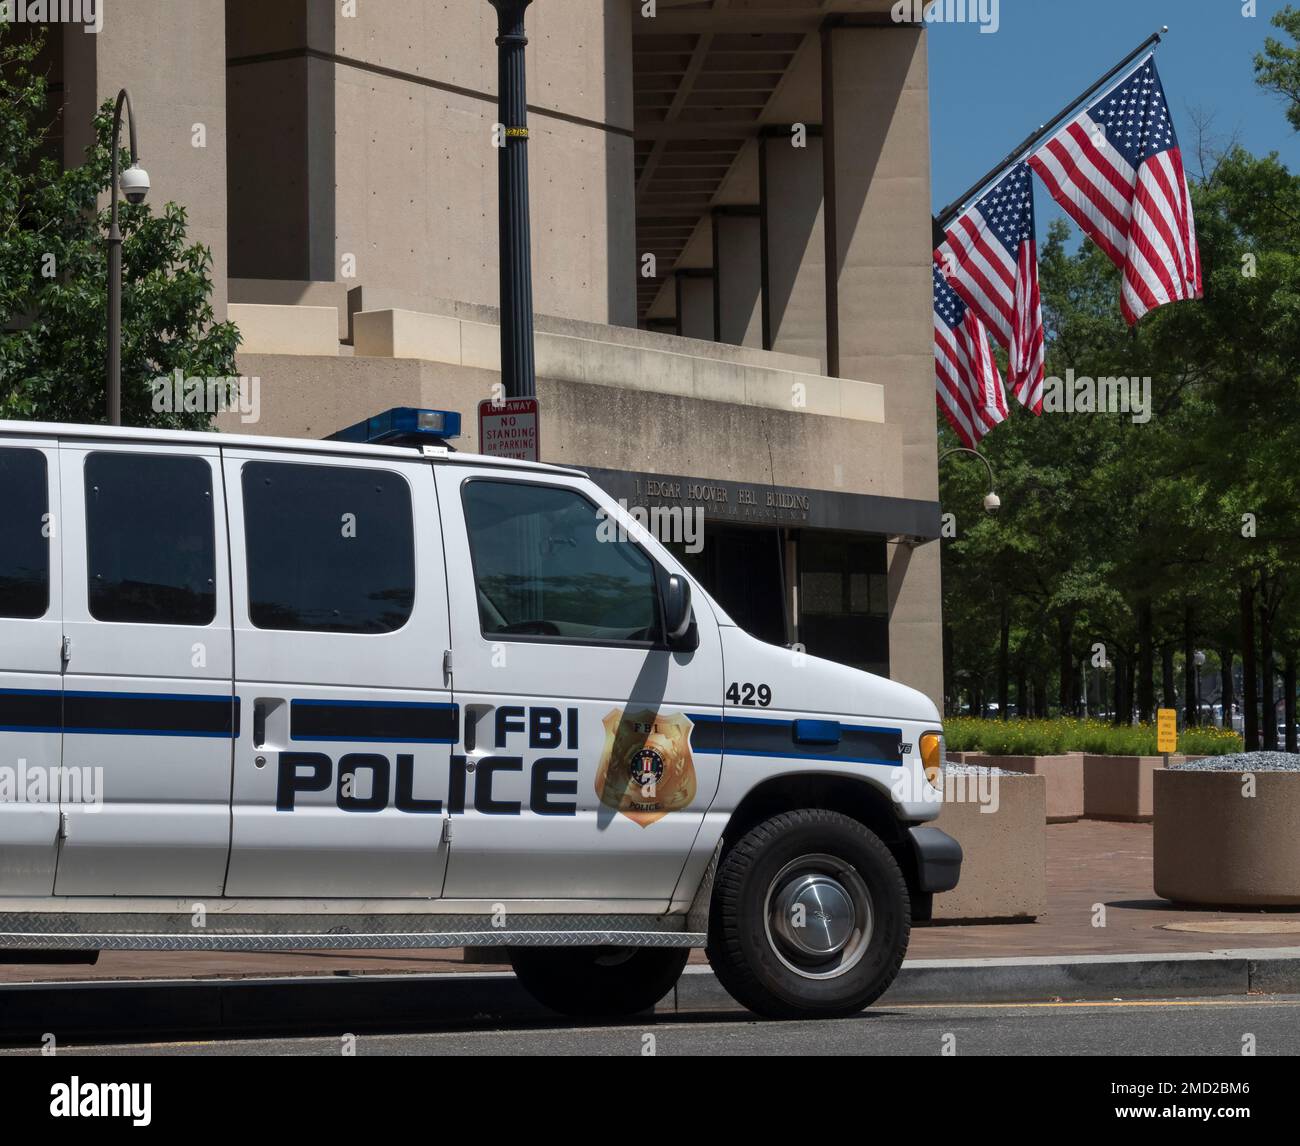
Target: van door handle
[[473, 714], [259, 724]]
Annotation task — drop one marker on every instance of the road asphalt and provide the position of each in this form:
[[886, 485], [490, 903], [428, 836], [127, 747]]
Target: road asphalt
[[1146, 1028]]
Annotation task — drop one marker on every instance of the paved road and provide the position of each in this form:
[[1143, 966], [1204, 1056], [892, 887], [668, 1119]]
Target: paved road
[[1177, 1027]]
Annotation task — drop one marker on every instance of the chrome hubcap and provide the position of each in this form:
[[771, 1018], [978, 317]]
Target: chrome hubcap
[[818, 916]]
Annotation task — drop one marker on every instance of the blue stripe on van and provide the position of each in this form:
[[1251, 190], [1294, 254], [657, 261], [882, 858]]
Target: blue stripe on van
[[30, 710], [119, 713], [374, 721], [781, 739]]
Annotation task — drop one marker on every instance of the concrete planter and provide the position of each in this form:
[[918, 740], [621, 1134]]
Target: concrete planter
[[1215, 847], [1119, 787], [1004, 864], [1063, 773]]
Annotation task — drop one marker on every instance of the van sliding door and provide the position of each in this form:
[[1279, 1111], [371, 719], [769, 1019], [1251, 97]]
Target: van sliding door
[[31, 686], [149, 716]]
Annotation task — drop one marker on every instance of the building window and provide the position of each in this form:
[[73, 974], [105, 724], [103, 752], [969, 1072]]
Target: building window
[[331, 549], [24, 546], [544, 566], [150, 542]]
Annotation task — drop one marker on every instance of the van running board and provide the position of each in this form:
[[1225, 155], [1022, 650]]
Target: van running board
[[141, 931]]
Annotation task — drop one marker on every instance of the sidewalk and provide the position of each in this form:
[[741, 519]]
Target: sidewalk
[[1095, 862], [1088, 863]]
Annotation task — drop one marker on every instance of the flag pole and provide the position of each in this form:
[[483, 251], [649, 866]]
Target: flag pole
[[950, 212]]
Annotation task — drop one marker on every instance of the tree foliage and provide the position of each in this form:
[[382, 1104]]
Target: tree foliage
[[1277, 67], [54, 273]]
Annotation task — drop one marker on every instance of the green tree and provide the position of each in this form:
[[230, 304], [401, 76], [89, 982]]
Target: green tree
[[1277, 67], [54, 273]]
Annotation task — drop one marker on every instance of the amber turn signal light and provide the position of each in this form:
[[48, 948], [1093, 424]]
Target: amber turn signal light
[[932, 756]]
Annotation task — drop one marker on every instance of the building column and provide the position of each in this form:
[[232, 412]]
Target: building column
[[694, 303], [738, 276], [794, 242], [172, 59], [876, 162]]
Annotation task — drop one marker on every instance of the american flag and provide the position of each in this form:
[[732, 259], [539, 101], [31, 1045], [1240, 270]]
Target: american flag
[[970, 390], [1117, 170], [990, 257]]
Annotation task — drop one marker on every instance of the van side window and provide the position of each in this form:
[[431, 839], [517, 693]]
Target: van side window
[[331, 549], [548, 563], [24, 546], [150, 545]]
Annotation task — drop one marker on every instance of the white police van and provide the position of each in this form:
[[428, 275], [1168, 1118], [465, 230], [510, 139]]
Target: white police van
[[269, 694]]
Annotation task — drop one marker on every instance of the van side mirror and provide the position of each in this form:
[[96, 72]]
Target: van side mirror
[[677, 608]]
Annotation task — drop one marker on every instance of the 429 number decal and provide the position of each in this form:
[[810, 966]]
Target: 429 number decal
[[753, 695]]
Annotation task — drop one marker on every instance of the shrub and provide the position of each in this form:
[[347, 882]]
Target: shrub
[[1067, 734]]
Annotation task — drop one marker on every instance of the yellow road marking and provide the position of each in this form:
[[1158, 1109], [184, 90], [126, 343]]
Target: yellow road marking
[[1094, 1003]]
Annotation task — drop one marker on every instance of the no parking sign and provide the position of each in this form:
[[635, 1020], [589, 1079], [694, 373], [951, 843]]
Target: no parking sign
[[508, 428]]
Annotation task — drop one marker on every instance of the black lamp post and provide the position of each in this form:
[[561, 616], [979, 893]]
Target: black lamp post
[[135, 186], [517, 371], [992, 503]]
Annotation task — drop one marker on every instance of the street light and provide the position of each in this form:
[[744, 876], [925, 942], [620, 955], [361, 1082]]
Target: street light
[[992, 503], [134, 184]]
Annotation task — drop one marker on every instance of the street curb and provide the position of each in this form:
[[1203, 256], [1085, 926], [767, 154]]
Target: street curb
[[342, 1004], [1094, 977], [1068, 978]]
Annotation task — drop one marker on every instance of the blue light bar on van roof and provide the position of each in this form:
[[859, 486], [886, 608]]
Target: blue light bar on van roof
[[403, 426]]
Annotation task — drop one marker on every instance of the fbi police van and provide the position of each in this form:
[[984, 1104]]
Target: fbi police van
[[372, 692]]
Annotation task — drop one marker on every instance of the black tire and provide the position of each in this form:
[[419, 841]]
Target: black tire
[[598, 982], [763, 972]]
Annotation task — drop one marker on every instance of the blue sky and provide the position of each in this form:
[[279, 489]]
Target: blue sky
[[988, 91]]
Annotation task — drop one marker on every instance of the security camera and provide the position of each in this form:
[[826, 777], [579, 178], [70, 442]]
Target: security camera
[[992, 503], [135, 183]]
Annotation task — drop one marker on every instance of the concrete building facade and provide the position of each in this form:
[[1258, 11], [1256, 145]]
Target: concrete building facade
[[731, 252]]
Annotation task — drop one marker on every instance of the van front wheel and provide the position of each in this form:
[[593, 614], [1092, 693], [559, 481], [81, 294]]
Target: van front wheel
[[598, 982], [809, 917]]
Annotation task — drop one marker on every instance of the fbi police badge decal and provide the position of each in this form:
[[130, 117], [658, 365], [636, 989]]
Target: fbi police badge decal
[[646, 770]]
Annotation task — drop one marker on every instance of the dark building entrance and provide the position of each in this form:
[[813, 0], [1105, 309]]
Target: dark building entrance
[[844, 598], [790, 565], [839, 608], [742, 567]]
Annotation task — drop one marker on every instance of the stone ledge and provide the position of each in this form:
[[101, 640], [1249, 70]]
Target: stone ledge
[[458, 341], [586, 425], [294, 292], [364, 299], [271, 329]]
